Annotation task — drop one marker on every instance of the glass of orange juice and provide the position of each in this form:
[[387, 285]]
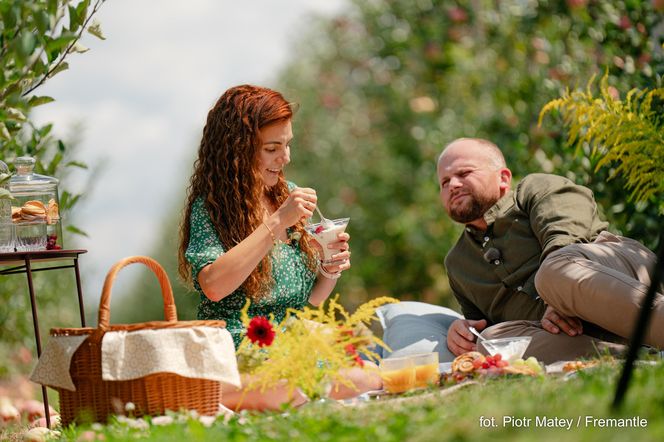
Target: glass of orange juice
[[426, 369], [398, 374]]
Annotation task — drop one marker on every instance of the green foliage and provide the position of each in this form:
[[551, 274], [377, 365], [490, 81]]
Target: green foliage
[[625, 135], [386, 85], [36, 37]]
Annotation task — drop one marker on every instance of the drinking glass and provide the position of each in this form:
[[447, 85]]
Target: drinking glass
[[326, 236], [7, 237], [510, 349], [426, 369], [30, 236], [398, 374]]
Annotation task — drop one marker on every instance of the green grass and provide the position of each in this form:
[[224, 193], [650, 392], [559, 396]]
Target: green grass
[[444, 417]]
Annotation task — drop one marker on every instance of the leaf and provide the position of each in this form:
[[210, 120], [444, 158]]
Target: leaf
[[82, 9], [74, 20], [79, 48], [68, 200], [78, 164], [4, 133], [61, 146], [53, 165], [95, 29], [5, 194], [15, 114], [27, 43], [61, 67], [55, 46], [38, 101], [77, 231], [45, 130], [10, 17], [42, 20]]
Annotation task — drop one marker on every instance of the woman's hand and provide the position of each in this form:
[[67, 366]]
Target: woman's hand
[[340, 261], [330, 271], [300, 204]]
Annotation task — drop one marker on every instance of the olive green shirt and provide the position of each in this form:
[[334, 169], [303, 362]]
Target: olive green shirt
[[492, 273]]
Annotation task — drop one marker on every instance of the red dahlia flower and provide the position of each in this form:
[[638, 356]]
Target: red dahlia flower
[[260, 331]]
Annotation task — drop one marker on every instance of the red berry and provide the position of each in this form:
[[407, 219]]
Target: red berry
[[497, 357], [319, 229], [486, 365]]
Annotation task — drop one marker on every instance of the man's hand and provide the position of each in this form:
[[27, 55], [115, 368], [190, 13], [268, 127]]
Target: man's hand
[[460, 339], [553, 322]]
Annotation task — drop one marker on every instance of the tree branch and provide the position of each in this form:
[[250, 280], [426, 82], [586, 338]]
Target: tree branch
[[67, 51]]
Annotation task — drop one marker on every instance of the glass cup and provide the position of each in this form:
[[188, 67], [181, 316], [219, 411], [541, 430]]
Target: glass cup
[[510, 349], [30, 236], [398, 374], [426, 369], [7, 237], [326, 236]]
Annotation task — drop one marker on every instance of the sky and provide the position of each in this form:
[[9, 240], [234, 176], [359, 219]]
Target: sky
[[137, 103]]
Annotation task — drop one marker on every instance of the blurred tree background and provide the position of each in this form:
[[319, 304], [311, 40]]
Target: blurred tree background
[[385, 85]]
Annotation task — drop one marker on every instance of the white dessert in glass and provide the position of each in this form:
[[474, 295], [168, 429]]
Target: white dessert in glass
[[510, 349], [325, 236]]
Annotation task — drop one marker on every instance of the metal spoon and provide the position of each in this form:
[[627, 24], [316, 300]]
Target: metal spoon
[[326, 223], [476, 333]]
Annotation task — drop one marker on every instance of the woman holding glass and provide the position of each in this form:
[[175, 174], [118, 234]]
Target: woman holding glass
[[242, 235]]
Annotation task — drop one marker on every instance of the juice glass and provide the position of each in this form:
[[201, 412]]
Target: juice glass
[[426, 369], [398, 374]]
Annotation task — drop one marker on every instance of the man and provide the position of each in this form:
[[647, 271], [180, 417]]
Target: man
[[536, 260]]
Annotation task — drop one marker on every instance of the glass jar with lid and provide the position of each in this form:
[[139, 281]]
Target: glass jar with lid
[[36, 199], [5, 202], [6, 225]]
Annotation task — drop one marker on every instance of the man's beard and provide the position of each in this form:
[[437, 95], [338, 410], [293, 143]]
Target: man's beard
[[473, 209]]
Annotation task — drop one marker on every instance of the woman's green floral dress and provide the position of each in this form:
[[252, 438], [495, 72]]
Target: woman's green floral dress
[[293, 281]]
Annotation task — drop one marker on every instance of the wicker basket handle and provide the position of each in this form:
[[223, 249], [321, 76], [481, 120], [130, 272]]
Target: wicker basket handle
[[170, 313]]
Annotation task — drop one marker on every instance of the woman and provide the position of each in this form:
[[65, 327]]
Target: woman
[[242, 236]]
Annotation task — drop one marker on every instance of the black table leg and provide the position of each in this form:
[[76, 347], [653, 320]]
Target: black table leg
[[35, 322], [80, 292]]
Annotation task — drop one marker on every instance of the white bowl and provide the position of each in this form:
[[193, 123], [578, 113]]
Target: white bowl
[[509, 348]]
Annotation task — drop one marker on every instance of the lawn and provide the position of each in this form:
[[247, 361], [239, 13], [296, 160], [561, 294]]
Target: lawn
[[515, 409]]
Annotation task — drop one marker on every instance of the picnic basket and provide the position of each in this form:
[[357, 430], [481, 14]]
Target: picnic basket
[[95, 399]]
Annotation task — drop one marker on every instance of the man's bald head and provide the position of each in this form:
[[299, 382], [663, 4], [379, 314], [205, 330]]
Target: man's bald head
[[487, 150]]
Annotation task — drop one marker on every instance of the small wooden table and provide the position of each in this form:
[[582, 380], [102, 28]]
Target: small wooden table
[[21, 262]]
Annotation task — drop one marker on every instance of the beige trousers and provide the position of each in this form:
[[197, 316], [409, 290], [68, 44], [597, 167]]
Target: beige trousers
[[603, 283]]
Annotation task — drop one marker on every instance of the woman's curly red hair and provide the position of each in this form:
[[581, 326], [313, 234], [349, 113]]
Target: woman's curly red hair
[[227, 177]]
